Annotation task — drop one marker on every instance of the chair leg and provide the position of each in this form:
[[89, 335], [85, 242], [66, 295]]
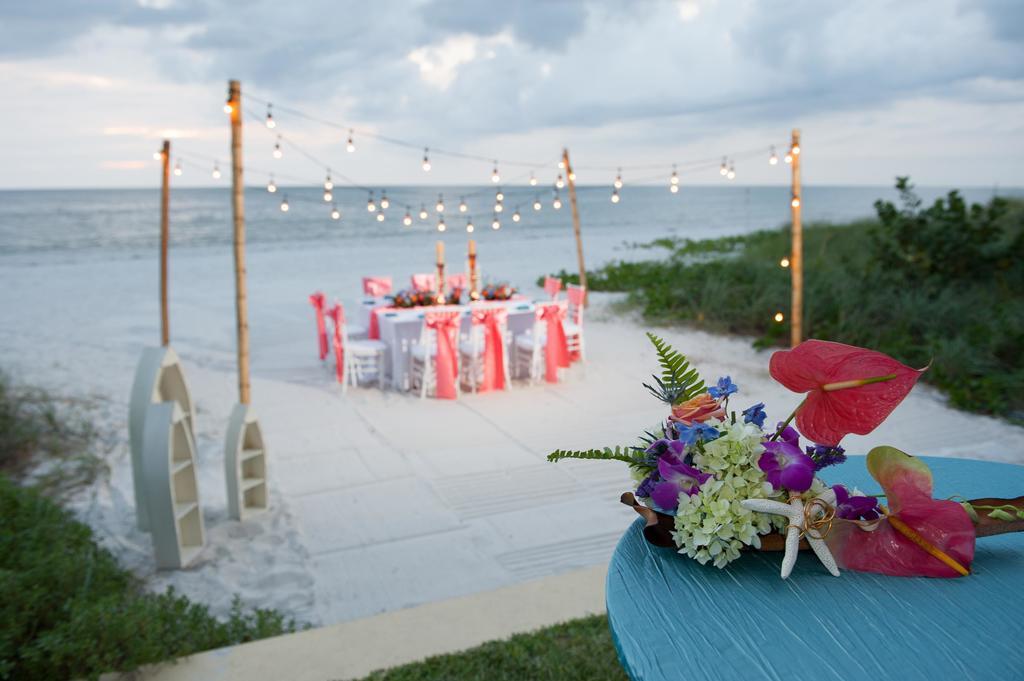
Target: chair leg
[[380, 370]]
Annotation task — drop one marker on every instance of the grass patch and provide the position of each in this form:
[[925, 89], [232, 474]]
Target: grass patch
[[580, 650], [943, 284]]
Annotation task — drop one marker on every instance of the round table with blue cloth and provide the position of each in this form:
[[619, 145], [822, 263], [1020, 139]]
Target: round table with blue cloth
[[672, 618]]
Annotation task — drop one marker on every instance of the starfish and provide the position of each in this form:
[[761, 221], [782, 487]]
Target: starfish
[[794, 511]]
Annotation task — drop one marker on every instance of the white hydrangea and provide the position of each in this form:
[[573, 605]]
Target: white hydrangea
[[712, 525]]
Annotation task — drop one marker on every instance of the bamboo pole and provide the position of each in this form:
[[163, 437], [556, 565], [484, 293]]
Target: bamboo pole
[[165, 201], [571, 179], [238, 210], [796, 258]]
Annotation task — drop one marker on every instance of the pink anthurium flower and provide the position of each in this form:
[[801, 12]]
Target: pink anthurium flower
[[849, 389]]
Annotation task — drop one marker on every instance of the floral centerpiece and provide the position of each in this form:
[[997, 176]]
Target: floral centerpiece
[[713, 481], [412, 298], [499, 291]]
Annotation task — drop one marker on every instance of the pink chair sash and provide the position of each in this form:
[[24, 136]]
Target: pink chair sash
[[552, 285], [457, 281], [337, 315], [376, 287], [576, 295], [317, 299], [493, 357], [446, 325], [424, 282], [556, 351]]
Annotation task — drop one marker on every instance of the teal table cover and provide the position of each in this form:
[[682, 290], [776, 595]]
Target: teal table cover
[[674, 619]]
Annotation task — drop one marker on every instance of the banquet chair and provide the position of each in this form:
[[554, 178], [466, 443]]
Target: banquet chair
[[424, 282], [472, 360], [423, 358], [530, 348], [362, 358], [376, 287], [552, 285], [574, 323]]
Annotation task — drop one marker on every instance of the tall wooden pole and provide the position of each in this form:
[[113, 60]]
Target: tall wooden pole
[[165, 202], [571, 178], [238, 210], [796, 258]]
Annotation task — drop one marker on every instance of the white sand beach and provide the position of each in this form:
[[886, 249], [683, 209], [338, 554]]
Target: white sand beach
[[380, 501]]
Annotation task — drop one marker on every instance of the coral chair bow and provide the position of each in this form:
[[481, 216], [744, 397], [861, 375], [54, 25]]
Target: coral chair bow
[[337, 315], [424, 282], [376, 287], [556, 350], [317, 299], [552, 285], [457, 281], [494, 357], [576, 296], [446, 325]]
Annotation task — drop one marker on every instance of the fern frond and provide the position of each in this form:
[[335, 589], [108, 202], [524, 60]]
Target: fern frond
[[679, 382], [606, 454]]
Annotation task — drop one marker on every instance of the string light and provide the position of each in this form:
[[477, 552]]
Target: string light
[[559, 182], [407, 220], [380, 217], [351, 145], [788, 158], [618, 180], [495, 177], [784, 262], [177, 168], [774, 158], [384, 201], [515, 216], [779, 316], [615, 195], [440, 225], [158, 155], [462, 205], [536, 203], [335, 213], [732, 172], [469, 225], [557, 203], [673, 181], [572, 176], [284, 204], [426, 160], [795, 202], [371, 206], [495, 224], [423, 212], [724, 168], [674, 188], [796, 149], [328, 184], [328, 196], [271, 187], [216, 171], [270, 117], [561, 164], [440, 204], [533, 180], [498, 207], [499, 195], [228, 108], [277, 148]]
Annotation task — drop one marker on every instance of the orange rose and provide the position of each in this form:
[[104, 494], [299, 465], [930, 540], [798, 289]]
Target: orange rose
[[699, 409]]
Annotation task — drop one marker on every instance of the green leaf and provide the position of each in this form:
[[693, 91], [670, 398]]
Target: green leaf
[[678, 381], [607, 454], [970, 511], [1000, 514]]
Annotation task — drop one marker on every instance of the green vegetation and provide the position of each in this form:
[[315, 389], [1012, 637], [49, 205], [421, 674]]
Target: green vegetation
[[943, 284], [580, 650], [68, 609]]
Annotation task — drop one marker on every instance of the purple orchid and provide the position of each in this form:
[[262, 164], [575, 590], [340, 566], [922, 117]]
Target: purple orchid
[[674, 450], [824, 455], [785, 465], [854, 507], [675, 479]]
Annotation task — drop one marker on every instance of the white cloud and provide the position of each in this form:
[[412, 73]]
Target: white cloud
[[689, 10], [439, 63]]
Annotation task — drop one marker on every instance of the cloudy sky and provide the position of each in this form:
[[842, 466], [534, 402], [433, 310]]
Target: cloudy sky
[[930, 88]]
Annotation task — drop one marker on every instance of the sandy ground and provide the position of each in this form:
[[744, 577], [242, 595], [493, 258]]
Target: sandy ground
[[380, 501]]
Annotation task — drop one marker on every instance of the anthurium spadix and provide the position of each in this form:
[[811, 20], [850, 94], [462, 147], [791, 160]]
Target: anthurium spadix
[[849, 389]]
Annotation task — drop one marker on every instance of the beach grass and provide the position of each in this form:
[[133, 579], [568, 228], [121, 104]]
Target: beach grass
[[579, 650], [940, 286]]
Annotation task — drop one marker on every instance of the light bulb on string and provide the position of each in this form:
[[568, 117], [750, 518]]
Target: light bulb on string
[[216, 171], [328, 183], [618, 180], [557, 203], [795, 202], [228, 108], [277, 148], [516, 217], [177, 168], [440, 204], [537, 204], [158, 155], [371, 205], [674, 188], [495, 177], [795, 150], [284, 204], [784, 262], [732, 172], [440, 224], [724, 168], [779, 317], [533, 180], [380, 217], [271, 186], [407, 220], [774, 158], [351, 145], [423, 212], [462, 205], [615, 195], [572, 176], [335, 213], [328, 196], [426, 160], [385, 203], [469, 225], [559, 182], [788, 158], [561, 164], [496, 223], [674, 179], [499, 195], [498, 207], [270, 117]]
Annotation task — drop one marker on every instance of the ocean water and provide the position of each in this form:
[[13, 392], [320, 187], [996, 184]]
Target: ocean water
[[94, 223]]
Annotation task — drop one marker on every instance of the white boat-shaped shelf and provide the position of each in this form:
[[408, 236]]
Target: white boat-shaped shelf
[[171, 489], [245, 465], [158, 378]]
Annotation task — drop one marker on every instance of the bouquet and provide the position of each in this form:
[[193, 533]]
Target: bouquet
[[412, 298], [712, 481], [500, 291]]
